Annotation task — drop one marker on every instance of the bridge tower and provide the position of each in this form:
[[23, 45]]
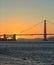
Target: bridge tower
[[14, 37], [45, 33], [5, 37]]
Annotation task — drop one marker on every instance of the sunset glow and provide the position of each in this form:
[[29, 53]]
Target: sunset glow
[[19, 15]]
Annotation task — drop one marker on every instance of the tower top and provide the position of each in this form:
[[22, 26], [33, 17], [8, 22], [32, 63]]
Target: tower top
[[45, 20]]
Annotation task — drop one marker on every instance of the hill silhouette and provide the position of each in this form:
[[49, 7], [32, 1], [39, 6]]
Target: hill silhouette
[[35, 39], [29, 40], [51, 38]]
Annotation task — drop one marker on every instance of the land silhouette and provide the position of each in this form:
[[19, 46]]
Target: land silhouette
[[35, 39]]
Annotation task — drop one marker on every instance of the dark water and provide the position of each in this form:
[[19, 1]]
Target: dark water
[[39, 53]]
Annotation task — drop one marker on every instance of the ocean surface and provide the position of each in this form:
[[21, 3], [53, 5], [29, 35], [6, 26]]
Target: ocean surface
[[26, 53]]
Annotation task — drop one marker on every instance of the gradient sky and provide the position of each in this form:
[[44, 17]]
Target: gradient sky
[[18, 15]]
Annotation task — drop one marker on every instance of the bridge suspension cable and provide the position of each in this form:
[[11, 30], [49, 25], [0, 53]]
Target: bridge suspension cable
[[50, 22], [31, 27]]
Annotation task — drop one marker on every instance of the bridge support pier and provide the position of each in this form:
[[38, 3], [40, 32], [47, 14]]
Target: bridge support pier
[[45, 35]]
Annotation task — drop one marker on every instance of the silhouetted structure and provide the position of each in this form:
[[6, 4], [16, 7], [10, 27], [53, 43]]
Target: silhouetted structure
[[45, 31], [5, 38], [14, 37]]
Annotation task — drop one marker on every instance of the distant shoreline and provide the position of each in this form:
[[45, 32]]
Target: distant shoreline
[[28, 42]]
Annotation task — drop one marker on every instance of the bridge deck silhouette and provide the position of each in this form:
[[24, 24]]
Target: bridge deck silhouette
[[24, 34]]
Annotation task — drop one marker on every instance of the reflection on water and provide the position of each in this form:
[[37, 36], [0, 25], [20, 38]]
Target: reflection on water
[[27, 54]]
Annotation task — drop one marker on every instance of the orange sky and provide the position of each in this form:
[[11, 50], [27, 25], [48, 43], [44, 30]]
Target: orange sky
[[16, 27], [19, 15]]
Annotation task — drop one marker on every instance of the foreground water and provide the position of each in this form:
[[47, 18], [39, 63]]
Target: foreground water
[[14, 53]]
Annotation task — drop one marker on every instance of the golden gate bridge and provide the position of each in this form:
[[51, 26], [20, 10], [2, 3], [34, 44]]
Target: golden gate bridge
[[4, 37]]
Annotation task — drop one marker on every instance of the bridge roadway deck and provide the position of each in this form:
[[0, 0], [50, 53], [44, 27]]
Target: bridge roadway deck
[[26, 34]]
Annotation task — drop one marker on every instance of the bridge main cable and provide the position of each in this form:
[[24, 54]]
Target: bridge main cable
[[31, 27]]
